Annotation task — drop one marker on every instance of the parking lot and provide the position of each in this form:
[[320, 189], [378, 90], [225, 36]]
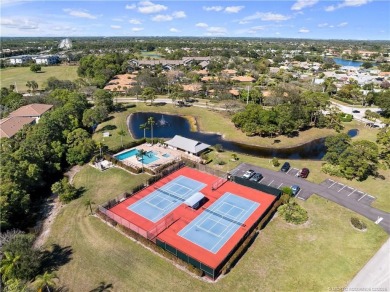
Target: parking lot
[[348, 192], [277, 181]]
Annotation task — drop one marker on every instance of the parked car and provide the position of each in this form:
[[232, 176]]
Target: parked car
[[356, 111], [285, 167], [248, 174], [295, 190], [256, 177], [304, 172]]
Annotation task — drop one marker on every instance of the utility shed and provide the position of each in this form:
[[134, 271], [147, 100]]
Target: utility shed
[[188, 145], [195, 200]]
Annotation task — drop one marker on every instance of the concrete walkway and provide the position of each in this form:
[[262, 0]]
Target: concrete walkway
[[375, 275]]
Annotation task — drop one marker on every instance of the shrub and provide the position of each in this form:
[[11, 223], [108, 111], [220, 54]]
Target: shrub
[[218, 147], [292, 212], [220, 161], [275, 162], [357, 223], [331, 169], [346, 117]]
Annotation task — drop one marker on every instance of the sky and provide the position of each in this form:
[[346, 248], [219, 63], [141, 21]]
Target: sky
[[312, 19]]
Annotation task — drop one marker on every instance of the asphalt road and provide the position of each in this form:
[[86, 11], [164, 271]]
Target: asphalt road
[[375, 275], [309, 188]]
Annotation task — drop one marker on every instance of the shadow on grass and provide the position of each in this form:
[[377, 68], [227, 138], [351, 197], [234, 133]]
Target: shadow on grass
[[107, 128], [103, 287], [56, 257]]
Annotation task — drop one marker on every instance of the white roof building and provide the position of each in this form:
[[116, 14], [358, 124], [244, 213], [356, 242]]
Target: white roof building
[[187, 145]]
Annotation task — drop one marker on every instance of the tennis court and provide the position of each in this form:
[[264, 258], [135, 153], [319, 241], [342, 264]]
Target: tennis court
[[164, 200], [217, 224]]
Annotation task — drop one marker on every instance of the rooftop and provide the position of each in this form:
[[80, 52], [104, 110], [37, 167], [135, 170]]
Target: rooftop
[[11, 125], [31, 110], [186, 144]]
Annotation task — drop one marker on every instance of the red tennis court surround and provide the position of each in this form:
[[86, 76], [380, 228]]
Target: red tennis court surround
[[183, 215]]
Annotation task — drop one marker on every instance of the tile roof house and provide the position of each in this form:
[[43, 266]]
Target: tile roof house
[[28, 114], [34, 110], [11, 125]]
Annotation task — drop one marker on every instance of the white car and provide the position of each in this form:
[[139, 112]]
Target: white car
[[248, 174]]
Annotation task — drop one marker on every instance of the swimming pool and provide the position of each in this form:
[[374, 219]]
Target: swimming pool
[[126, 154], [147, 158]]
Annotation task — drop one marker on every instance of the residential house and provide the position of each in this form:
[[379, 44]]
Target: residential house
[[28, 114], [47, 60]]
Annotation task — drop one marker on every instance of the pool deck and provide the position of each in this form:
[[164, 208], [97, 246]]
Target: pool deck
[[159, 151]]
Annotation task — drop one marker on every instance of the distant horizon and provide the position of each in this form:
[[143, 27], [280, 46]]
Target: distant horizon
[[197, 37], [354, 20]]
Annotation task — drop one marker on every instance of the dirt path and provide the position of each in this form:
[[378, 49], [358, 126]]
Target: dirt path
[[51, 208]]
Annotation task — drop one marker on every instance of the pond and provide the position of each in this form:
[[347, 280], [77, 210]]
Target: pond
[[167, 126], [353, 133], [344, 62]]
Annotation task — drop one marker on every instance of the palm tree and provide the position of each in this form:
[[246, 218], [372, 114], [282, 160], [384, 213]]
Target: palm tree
[[45, 281], [144, 127], [8, 264], [122, 133], [100, 145], [140, 156], [34, 85], [151, 122], [103, 287], [88, 203]]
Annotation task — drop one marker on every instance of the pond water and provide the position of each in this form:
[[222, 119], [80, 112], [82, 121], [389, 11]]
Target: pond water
[[353, 133], [167, 126], [344, 62]]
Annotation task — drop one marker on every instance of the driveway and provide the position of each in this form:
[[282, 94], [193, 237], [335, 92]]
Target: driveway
[[279, 179]]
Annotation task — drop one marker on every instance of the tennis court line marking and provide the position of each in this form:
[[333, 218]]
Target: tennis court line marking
[[232, 225]]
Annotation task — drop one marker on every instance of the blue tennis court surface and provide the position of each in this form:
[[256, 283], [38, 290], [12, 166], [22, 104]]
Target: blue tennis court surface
[[215, 225], [164, 200]]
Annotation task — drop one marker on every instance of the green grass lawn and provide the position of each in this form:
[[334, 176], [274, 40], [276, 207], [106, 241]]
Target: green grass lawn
[[211, 121], [20, 75], [325, 252]]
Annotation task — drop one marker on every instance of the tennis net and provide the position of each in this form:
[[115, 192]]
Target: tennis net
[[224, 217]]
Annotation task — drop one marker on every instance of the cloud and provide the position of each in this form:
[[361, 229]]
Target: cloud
[[135, 29], [174, 30], [233, 9], [19, 23], [213, 8], [268, 16], [134, 21], [79, 13], [325, 24], [243, 22], [342, 24], [303, 30], [201, 24], [347, 3], [167, 17], [147, 7], [254, 29], [132, 6], [300, 4], [116, 27], [179, 14], [215, 31], [117, 19], [162, 17]]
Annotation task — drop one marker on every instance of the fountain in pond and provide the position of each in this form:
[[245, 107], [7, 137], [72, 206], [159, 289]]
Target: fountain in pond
[[162, 122]]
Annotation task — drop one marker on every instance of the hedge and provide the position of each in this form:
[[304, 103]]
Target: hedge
[[359, 224], [127, 145]]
